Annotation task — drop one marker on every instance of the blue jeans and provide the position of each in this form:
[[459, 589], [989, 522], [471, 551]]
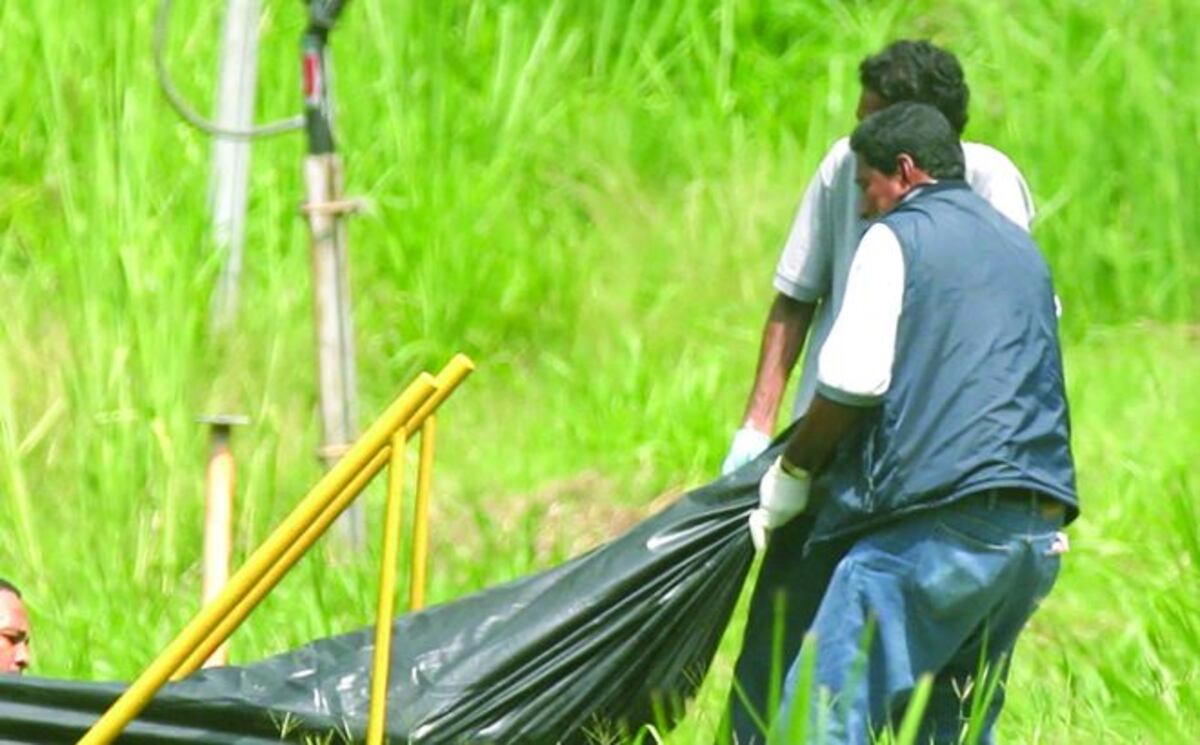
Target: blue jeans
[[937, 592], [786, 596]]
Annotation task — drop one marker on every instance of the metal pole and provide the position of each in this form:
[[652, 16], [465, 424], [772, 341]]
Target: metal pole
[[271, 577], [138, 695], [231, 156], [420, 541], [382, 657], [325, 209], [218, 515]]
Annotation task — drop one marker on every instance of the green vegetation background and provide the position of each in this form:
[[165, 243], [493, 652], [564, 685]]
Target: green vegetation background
[[589, 199]]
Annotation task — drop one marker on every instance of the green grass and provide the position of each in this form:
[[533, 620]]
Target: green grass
[[588, 198]]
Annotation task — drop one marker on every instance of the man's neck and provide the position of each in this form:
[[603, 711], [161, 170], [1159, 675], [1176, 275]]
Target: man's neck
[[916, 189]]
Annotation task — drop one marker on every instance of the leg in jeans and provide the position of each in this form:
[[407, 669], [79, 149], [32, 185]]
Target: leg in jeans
[[992, 642], [798, 581], [932, 587]]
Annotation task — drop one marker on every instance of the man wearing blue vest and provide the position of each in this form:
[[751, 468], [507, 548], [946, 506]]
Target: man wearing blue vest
[[936, 448], [810, 282]]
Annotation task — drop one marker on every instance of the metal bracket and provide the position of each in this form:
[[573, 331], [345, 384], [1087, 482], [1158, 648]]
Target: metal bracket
[[333, 450], [336, 207], [323, 14]]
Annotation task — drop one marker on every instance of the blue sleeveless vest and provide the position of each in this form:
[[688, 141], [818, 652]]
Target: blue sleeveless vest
[[977, 398]]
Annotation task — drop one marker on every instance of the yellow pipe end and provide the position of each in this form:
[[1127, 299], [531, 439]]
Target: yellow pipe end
[[462, 360]]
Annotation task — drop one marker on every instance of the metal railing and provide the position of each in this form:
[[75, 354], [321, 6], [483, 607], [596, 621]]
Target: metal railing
[[381, 445]]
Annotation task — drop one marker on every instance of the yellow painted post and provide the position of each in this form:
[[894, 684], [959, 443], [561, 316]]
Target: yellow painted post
[[135, 698], [420, 541], [393, 518], [218, 519], [448, 379]]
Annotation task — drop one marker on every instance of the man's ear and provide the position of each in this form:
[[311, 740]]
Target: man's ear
[[906, 167]]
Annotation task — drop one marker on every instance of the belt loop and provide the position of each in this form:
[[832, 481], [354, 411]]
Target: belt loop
[[991, 497]]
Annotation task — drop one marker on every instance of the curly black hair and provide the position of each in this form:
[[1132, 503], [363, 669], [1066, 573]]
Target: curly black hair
[[908, 70]]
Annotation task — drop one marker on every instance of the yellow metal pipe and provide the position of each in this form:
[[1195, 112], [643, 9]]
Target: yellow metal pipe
[[448, 379], [135, 698], [457, 369], [377, 716], [251, 599], [420, 540]]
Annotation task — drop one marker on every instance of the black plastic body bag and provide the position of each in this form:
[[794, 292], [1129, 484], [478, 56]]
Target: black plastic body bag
[[611, 640]]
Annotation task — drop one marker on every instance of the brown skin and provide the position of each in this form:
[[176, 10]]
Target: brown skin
[[783, 335], [870, 102], [827, 422], [785, 331], [820, 430], [881, 192], [14, 634]]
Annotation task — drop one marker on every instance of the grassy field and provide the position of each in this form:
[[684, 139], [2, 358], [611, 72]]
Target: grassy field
[[588, 198]]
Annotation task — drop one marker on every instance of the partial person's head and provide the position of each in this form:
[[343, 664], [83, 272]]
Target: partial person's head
[[916, 71], [14, 630], [900, 148]]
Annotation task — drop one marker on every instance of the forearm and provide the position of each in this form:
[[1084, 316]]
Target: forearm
[[783, 492], [782, 339], [816, 437]]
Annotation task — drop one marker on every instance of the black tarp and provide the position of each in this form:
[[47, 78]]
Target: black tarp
[[608, 641]]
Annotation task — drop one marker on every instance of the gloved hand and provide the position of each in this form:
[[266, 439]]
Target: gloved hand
[[748, 444], [782, 495]]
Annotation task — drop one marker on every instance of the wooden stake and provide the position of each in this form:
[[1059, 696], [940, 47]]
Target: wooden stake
[[334, 324]]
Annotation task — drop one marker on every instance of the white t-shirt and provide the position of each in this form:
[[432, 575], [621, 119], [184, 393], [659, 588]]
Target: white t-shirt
[[826, 230]]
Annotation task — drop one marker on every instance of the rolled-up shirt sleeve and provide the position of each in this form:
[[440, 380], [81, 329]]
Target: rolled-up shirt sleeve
[[855, 364]]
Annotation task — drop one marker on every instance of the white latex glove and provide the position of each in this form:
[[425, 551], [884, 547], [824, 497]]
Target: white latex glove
[[781, 497], [748, 444]]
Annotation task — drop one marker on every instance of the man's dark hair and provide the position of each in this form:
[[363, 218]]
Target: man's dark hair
[[917, 129], [6, 585], [918, 71]]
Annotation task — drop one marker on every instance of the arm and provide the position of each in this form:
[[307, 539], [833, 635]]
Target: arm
[[822, 428], [854, 373], [854, 370], [802, 278], [782, 339]]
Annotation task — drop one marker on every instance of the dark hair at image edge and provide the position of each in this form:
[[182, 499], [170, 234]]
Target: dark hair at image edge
[[917, 129], [918, 71], [9, 586]]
